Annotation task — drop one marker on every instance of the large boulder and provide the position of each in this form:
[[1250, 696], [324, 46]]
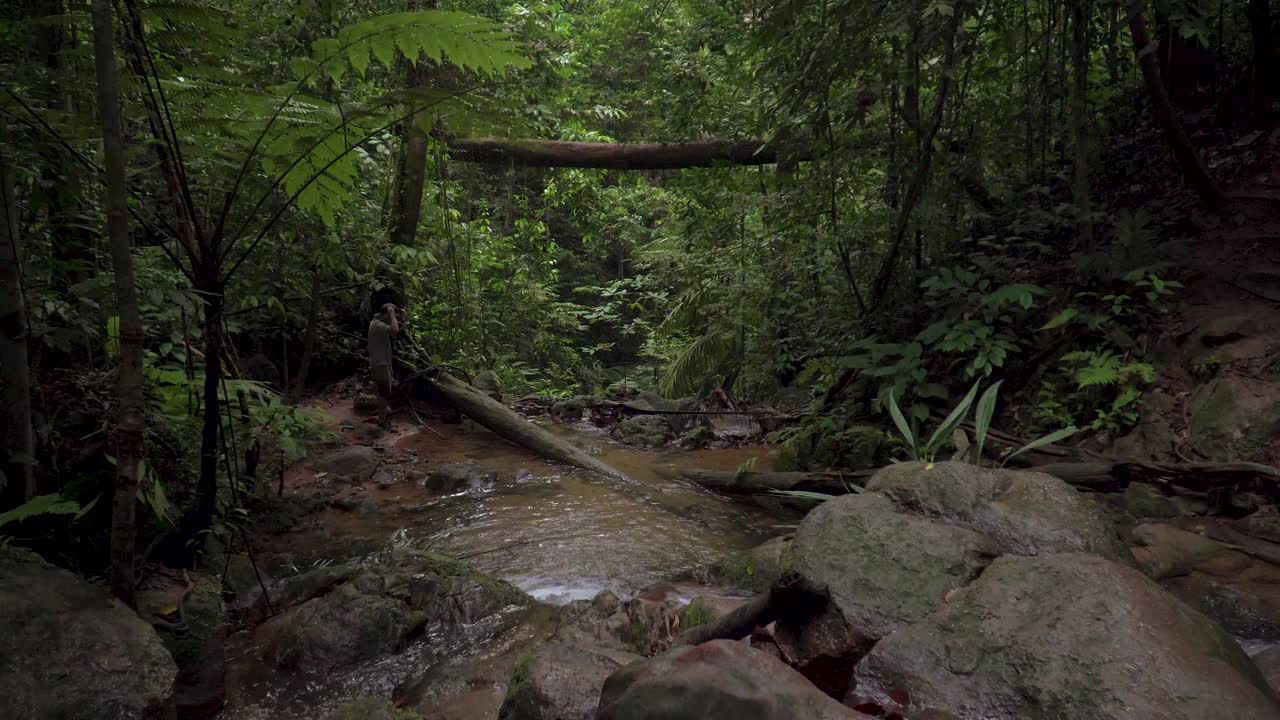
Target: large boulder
[[355, 463], [1028, 513], [649, 431], [1233, 418], [1268, 662], [69, 651], [885, 568], [756, 569], [718, 680], [457, 477], [378, 608], [558, 681], [1065, 636]]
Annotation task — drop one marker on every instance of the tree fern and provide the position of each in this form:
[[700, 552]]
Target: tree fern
[[698, 361]]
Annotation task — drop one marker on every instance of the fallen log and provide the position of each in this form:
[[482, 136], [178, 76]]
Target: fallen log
[[748, 483], [791, 597], [505, 422], [616, 156]]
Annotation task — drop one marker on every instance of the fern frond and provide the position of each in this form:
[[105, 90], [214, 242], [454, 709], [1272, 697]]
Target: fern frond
[[697, 362]]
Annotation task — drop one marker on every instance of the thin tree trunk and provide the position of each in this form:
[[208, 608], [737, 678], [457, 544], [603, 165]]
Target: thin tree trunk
[[129, 421], [413, 175], [17, 462], [1193, 169], [916, 188], [1080, 14], [309, 344]]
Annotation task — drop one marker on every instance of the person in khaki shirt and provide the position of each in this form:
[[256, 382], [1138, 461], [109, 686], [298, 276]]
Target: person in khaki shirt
[[382, 328]]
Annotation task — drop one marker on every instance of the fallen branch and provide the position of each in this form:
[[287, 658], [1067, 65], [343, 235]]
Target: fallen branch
[[748, 483], [616, 156], [505, 422], [791, 597]]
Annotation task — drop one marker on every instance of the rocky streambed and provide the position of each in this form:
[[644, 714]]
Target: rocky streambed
[[441, 573]]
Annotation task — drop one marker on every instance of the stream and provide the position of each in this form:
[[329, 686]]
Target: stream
[[558, 533]]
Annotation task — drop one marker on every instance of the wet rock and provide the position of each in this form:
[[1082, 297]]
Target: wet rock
[[1233, 419], [357, 505], [561, 682], [355, 463], [1265, 524], [536, 405], [639, 625], [1028, 513], [885, 568], [1164, 551], [696, 438], [755, 569], [1141, 501], [197, 642], [69, 651], [649, 431], [718, 680], [571, 409], [366, 404], [1065, 636], [1268, 662], [372, 708], [1153, 438], [647, 401], [854, 446], [379, 608], [708, 608], [456, 477], [383, 479], [243, 581]]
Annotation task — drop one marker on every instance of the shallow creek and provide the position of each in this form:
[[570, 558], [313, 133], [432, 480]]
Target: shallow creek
[[557, 533]]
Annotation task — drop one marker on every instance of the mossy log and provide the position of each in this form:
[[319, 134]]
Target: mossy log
[[791, 597], [749, 483], [505, 422]]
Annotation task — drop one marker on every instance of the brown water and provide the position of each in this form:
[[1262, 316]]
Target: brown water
[[556, 532]]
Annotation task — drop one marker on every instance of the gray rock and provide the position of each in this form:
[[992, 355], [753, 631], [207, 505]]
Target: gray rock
[[356, 463], [757, 568], [718, 680], [1065, 636], [1268, 662], [560, 682], [1141, 501], [885, 568], [697, 438], [456, 477], [69, 651], [1265, 524], [1026, 512], [357, 505], [378, 608], [650, 431], [383, 479], [365, 404]]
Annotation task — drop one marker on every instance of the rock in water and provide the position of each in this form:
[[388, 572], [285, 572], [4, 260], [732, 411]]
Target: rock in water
[[377, 608], [650, 431], [1066, 636], [355, 463], [1028, 513], [885, 569], [197, 645], [718, 680], [560, 682], [456, 477], [68, 651]]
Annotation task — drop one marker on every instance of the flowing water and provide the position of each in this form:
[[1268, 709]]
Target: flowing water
[[558, 533]]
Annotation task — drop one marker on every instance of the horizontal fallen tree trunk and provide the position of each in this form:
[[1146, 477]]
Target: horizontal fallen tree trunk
[[616, 156], [505, 422], [791, 597], [747, 483]]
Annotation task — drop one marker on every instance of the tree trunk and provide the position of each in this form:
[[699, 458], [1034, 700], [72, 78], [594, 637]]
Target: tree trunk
[[616, 156], [924, 160], [1266, 79], [309, 343], [17, 449], [791, 598], [413, 175], [1189, 162], [130, 419], [1080, 14], [503, 421]]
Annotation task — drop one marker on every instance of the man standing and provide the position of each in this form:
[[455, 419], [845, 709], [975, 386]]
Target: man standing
[[381, 329]]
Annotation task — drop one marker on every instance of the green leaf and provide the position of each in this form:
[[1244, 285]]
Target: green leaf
[[1061, 319], [982, 419], [952, 422], [1049, 439], [53, 504], [905, 429]]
